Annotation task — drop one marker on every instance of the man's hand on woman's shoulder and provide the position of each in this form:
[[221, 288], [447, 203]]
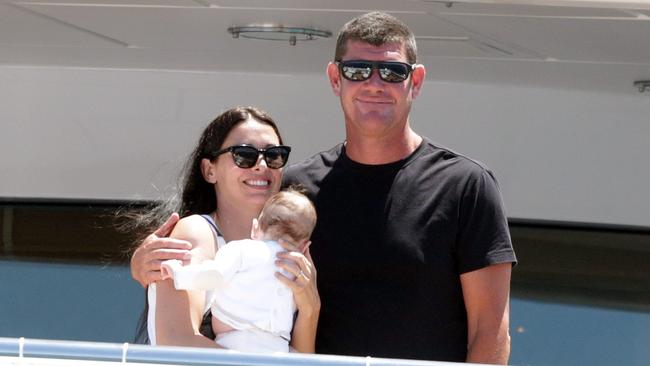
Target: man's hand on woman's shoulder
[[156, 248]]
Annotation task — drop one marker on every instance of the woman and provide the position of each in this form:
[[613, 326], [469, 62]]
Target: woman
[[225, 187]]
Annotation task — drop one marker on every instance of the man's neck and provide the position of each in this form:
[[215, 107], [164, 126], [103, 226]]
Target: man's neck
[[382, 150]]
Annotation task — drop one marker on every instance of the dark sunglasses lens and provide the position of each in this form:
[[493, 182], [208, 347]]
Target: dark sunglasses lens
[[356, 71], [393, 73], [276, 157], [245, 156]]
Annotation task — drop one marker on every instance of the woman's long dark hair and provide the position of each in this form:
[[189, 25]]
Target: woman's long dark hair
[[197, 196]]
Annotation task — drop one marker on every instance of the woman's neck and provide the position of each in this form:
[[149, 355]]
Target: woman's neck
[[234, 223]]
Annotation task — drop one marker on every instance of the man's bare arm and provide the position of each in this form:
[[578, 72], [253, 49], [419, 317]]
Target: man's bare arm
[[487, 292], [156, 248]]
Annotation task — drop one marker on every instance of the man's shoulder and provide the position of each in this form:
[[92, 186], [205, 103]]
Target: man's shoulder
[[317, 162], [435, 154]]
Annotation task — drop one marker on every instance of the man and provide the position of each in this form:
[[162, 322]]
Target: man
[[411, 245]]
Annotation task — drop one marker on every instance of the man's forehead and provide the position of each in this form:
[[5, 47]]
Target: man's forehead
[[387, 50]]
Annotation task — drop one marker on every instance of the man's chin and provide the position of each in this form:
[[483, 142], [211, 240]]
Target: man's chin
[[374, 118]]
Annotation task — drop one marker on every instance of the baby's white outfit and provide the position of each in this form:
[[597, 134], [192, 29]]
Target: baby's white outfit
[[247, 296]]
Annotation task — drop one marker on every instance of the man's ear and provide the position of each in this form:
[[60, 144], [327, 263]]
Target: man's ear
[[208, 171], [417, 79], [334, 77]]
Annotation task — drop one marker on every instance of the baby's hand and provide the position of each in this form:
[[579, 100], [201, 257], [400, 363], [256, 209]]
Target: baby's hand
[[167, 268]]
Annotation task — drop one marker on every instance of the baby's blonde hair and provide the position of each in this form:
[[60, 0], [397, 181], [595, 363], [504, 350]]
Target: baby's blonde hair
[[289, 214]]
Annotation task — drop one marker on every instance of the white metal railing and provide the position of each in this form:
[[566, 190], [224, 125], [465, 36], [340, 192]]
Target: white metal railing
[[21, 348]]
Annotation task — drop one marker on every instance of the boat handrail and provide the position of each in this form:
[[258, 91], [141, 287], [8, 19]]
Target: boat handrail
[[136, 353]]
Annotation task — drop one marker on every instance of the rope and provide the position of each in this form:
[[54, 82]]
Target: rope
[[125, 348], [21, 346]]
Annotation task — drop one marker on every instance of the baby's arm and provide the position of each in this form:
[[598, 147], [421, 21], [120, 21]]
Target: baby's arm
[[207, 275], [203, 276]]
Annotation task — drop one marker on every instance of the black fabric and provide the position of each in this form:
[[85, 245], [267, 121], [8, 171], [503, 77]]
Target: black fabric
[[389, 245], [141, 333], [206, 326]]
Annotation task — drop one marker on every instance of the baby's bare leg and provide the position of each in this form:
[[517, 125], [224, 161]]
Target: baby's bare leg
[[220, 327]]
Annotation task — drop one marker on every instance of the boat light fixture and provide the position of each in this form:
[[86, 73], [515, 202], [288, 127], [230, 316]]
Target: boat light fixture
[[642, 85], [278, 33]]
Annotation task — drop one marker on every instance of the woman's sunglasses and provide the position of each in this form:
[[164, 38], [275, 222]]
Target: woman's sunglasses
[[389, 71], [246, 156]]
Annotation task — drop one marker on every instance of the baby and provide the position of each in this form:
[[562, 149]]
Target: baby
[[252, 310]]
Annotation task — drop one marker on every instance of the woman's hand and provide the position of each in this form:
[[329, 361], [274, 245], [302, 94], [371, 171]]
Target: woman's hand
[[305, 293], [156, 248], [303, 285]]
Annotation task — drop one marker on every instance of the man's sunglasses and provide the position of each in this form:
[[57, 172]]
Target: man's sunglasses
[[246, 156], [389, 71]]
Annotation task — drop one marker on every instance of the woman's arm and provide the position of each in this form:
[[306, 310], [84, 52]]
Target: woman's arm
[[306, 296], [178, 312]]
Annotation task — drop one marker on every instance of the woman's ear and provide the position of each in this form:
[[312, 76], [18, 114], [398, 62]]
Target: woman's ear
[[208, 171]]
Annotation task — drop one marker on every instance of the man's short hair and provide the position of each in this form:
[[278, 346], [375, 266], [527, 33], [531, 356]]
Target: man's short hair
[[289, 214], [376, 28]]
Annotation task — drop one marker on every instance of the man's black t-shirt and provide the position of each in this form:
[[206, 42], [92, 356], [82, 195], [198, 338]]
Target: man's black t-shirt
[[389, 245]]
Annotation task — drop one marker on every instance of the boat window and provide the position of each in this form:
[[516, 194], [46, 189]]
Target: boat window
[[580, 293]]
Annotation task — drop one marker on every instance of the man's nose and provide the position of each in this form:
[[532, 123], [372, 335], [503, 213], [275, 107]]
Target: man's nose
[[375, 80]]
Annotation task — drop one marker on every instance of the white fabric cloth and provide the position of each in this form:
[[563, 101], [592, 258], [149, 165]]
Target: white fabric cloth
[[151, 299], [252, 340], [247, 296]]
